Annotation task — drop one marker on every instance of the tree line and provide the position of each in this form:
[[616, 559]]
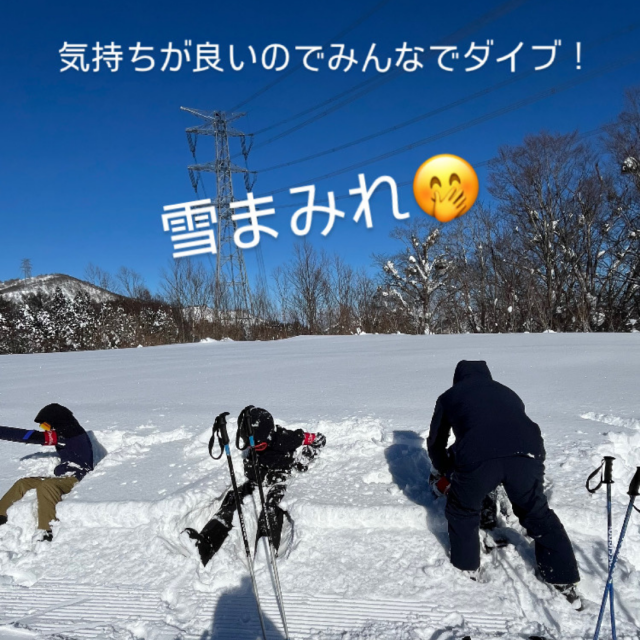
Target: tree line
[[55, 322], [556, 249]]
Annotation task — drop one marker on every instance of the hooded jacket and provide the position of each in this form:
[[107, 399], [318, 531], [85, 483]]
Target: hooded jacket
[[67, 436], [487, 418], [275, 445]]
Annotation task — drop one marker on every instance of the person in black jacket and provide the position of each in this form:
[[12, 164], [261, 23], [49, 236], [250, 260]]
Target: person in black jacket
[[62, 431], [495, 443], [279, 451]]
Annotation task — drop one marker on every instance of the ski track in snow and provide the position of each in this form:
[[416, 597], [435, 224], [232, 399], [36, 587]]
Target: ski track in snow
[[370, 554], [233, 615]]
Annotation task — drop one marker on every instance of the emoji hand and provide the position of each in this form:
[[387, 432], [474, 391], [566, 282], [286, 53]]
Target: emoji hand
[[449, 206]]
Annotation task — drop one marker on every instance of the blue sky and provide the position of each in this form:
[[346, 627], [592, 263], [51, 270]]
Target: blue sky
[[89, 159]]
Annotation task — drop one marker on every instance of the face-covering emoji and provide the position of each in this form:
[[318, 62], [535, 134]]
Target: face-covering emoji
[[445, 187]]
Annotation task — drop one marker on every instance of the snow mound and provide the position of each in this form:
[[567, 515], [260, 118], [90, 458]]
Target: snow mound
[[614, 421]]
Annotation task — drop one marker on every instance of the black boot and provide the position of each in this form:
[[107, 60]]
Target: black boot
[[488, 513], [3, 520], [570, 593], [210, 539], [276, 520], [493, 540]]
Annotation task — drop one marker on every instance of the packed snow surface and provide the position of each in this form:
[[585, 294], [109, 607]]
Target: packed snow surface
[[370, 553]]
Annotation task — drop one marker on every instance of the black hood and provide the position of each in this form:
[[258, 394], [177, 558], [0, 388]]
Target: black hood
[[62, 421], [471, 369], [261, 421]]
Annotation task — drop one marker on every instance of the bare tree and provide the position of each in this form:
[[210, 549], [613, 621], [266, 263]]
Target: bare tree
[[283, 294], [622, 138], [490, 285], [189, 287], [367, 310], [262, 306], [341, 296], [99, 277], [305, 278], [131, 284], [551, 197], [622, 141]]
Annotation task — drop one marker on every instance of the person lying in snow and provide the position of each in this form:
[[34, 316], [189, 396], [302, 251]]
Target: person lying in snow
[[62, 431], [279, 451], [496, 443]]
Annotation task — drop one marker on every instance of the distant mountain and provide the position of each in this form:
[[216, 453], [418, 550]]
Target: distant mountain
[[16, 290]]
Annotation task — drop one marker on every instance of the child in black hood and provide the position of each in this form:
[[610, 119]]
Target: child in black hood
[[276, 449], [62, 431]]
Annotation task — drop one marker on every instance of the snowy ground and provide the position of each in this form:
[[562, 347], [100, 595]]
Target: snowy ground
[[370, 554]]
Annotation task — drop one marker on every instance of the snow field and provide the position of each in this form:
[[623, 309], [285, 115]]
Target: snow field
[[370, 552]]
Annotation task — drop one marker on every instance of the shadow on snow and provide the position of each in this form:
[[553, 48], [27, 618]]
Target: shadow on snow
[[410, 467], [236, 617]]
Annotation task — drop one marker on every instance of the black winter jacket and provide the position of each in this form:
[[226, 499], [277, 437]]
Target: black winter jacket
[[487, 418], [275, 446], [69, 438]]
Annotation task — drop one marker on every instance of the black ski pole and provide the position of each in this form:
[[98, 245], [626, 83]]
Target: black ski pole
[[607, 478], [634, 492], [220, 429], [248, 427]]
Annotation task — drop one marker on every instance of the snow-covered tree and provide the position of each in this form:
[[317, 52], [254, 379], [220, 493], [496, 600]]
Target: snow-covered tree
[[415, 279]]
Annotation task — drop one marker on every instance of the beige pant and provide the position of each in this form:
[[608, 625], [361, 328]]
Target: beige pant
[[49, 492]]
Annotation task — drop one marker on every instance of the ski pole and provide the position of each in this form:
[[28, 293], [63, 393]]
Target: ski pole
[[634, 492], [220, 429], [252, 445], [607, 478]]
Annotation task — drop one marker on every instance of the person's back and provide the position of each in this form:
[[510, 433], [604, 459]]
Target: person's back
[[487, 418], [496, 443]]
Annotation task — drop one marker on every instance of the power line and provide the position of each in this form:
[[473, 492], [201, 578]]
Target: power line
[[475, 165], [375, 82], [280, 78], [442, 109], [475, 121]]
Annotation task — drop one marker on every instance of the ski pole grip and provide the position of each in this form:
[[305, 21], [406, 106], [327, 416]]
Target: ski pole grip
[[634, 487], [608, 470], [592, 476], [224, 435], [248, 426], [219, 429]]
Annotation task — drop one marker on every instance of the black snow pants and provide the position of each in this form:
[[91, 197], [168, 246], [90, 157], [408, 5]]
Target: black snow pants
[[523, 480], [217, 529]]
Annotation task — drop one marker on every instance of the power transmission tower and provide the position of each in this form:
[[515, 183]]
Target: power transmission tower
[[231, 282], [25, 267]]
